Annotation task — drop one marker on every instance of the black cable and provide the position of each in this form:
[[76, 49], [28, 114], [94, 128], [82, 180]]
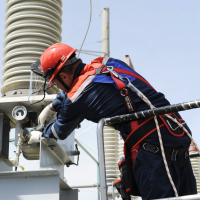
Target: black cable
[[44, 90]]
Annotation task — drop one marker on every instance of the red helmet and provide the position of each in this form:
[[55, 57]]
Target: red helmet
[[57, 54]]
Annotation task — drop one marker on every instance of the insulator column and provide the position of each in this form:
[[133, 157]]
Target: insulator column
[[30, 28], [111, 155], [195, 161], [121, 149]]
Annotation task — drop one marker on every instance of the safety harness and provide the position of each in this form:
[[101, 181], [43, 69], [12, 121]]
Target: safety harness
[[127, 181]]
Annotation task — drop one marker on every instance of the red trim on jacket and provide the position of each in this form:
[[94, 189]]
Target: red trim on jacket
[[167, 126], [121, 162], [117, 181]]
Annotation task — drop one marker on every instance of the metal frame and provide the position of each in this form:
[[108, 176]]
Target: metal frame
[[4, 134], [189, 197], [101, 157]]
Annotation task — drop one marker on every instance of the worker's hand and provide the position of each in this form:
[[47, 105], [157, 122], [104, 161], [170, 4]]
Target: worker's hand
[[34, 137], [46, 114]]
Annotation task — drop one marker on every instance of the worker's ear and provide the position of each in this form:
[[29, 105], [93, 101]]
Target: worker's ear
[[64, 77]]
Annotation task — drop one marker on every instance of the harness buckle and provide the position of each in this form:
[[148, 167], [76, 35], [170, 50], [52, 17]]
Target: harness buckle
[[150, 147], [174, 154], [186, 154]]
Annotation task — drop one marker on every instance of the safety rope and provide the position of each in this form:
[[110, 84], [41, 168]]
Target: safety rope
[[146, 100]]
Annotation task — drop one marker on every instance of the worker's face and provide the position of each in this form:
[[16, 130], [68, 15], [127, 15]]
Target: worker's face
[[67, 79], [59, 85]]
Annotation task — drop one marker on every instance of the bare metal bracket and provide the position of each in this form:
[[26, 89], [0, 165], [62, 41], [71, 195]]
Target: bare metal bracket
[[53, 156]]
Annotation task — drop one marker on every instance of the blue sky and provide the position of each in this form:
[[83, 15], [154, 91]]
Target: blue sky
[[162, 39]]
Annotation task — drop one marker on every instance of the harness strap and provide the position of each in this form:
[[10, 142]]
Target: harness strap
[[175, 155], [141, 132], [73, 94], [123, 71], [82, 87], [105, 60]]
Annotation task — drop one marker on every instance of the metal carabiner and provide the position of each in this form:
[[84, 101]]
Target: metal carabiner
[[111, 70]]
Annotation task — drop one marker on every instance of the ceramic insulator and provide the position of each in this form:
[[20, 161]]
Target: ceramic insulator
[[30, 28], [195, 161], [111, 155]]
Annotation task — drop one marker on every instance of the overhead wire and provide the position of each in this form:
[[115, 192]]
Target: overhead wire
[[83, 27], [88, 147], [85, 130], [86, 44], [87, 28]]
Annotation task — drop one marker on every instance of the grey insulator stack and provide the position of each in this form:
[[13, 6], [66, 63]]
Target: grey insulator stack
[[111, 156], [195, 161], [30, 28]]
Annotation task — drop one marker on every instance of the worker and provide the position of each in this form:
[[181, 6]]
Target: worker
[[98, 90]]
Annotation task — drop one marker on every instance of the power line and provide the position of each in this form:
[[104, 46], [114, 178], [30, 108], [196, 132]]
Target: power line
[[83, 27], [86, 44], [85, 130], [87, 28], [88, 147]]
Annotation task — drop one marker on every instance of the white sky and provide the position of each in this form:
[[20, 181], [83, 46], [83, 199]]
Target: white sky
[[162, 39]]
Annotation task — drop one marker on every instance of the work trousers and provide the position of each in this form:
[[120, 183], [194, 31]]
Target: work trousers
[[152, 180]]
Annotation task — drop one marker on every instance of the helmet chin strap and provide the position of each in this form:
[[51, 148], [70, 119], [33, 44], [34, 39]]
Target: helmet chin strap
[[61, 81]]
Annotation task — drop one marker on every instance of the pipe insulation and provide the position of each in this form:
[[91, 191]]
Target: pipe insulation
[[30, 28]]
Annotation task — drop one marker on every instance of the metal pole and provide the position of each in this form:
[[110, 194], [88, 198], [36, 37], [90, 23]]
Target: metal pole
[[105, 33], [98, 177], [102, 167], [189, 197], [98, 191], [128, 61], [113, 192]]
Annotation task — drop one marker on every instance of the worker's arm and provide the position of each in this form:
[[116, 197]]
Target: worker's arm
[[50, 109], [69, 116]]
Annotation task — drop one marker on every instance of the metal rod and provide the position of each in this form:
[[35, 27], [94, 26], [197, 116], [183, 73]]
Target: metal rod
[[18, 150], [189, 197], [153, 112], [102, 167], [105, 32], [98, 177], [88, 186], [85, 186], [98, 195], [113, 192]]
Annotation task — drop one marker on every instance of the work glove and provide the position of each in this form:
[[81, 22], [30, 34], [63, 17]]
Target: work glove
[[46, 114], [34, 137]]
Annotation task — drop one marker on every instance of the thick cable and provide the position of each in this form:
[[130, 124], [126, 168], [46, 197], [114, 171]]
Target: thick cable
[[87, 28]]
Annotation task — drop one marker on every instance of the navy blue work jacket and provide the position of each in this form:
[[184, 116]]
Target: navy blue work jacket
[[100, 99]]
